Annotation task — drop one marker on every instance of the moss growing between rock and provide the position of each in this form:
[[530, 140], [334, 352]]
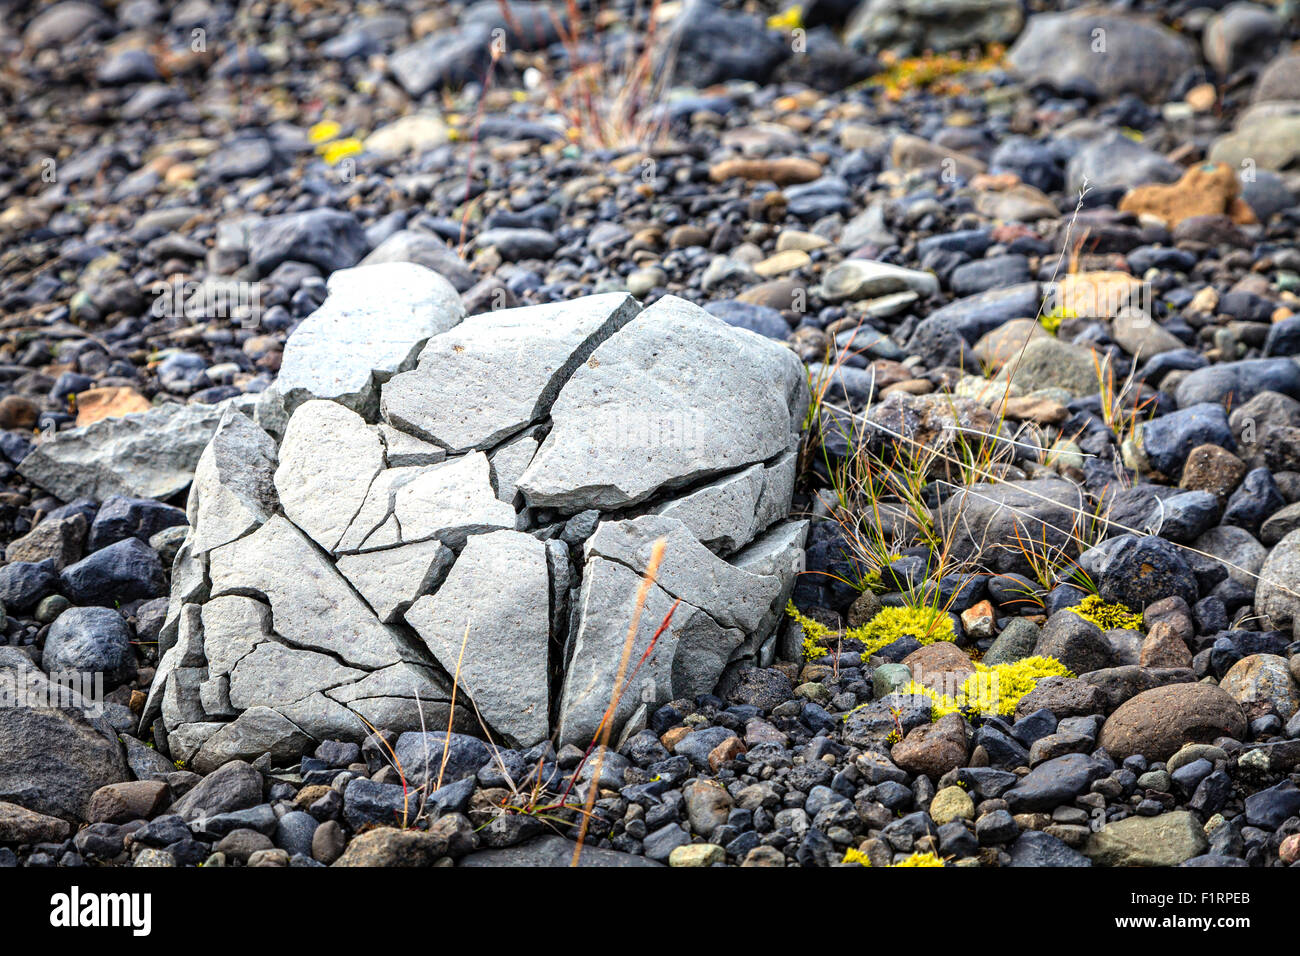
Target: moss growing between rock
[[814, 632], [1108, 617], [992, 690], [920, 859], [926, 624], [852, 855]]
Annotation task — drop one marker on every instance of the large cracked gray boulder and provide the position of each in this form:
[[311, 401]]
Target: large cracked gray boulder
[[469, 507]]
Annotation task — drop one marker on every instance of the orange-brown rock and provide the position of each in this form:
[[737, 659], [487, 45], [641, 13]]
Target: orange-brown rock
[[941, 666], [1207, 189], [95, 404], [18, 412], [784, 172]]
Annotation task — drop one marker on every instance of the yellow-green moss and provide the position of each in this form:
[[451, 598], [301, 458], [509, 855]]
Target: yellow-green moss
[[852, 855], [995, 689], [1108, 617], [1051, 320], [814, 632], [926, 624], [920, 859]]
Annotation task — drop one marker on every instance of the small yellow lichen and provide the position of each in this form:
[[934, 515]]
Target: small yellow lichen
[[920, 859], [788, 20], [334, 153], [926, 624], [992, 690], [935, 73], [1108, 617], [324, 131], [1051, 321]]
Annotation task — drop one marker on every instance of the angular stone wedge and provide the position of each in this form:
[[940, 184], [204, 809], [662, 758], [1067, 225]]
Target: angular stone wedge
[[687, 660], [234, 483], [372, 325], [392, 580], [498, 590], [500, 371], [328, 459], [676, 396], [312, 606], [689, 570]]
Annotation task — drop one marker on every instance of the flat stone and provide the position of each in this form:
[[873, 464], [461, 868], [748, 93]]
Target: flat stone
[[733, 597], [729, 512], [500, 371], [490, 622], [272, 675], [1164, 840], [643, 414], [313, 607], [234, 486], [357, 340], [392, 580], [257, 731], [150, 455], [328, 459], [688, 657]]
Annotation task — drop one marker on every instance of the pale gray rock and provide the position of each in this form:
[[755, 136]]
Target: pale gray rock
[[184, 740], [146, 455], [494, 606], [688, 570], [234, 483], [509, 462], [720, 514], [273, 675], [498, 372], [376, 512], [1277, 597], [312, 606], [1114, 53], [450, 502], [726, 514], [856, 279], [778, 553], [323, 718], [181, 703], [328, 459], [372, 325], [214, 697], [392, 580], [401, 449], [403, 679], [676, 396], [257, 731], [233, 626], [330, 574], [687, 660], [426, 249]]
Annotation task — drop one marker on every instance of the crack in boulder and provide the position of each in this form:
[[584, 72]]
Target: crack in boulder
[[494, 524]]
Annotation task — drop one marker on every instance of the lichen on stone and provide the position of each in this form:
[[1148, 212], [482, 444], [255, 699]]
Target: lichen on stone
[[992, 690], [1107, 616]]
